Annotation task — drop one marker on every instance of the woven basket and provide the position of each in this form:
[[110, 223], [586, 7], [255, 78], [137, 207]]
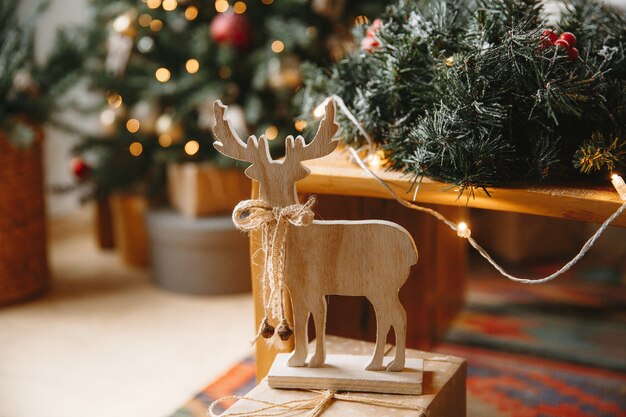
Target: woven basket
[[23, 256]]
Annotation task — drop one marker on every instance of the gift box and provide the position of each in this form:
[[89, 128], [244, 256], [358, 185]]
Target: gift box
[[202, 189], [443, 392]]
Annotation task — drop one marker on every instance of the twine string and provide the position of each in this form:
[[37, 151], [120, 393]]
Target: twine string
[[466, 233], [317, 405], [251, 215]]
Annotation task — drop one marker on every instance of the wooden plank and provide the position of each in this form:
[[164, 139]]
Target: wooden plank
[[335, 174], [346, 373]]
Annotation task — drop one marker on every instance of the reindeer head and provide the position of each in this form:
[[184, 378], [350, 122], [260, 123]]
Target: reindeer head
[[277, 178]]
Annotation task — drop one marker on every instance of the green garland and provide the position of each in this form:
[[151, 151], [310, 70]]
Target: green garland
[[474, 94]]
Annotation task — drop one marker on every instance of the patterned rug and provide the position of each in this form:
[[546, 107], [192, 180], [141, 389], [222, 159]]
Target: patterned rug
[[554, 350], [574, 319]]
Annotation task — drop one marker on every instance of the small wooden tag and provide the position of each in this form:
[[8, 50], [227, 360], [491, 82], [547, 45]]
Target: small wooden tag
[[346, 373]]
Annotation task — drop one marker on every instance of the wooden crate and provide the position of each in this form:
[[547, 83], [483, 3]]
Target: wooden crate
[[129, 227], [202, 189]]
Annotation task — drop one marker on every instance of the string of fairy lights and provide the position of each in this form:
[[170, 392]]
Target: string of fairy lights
[[375, 159], [168, 131]]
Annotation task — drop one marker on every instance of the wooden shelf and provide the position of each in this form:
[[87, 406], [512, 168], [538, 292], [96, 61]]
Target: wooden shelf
[[335, 174]]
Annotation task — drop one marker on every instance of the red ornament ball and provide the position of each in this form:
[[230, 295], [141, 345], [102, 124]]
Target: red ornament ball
[[374, 28], [79, 168], [369, 44], [562, 43], [548, 38], [231, 29], [568, 37], [573, 54]]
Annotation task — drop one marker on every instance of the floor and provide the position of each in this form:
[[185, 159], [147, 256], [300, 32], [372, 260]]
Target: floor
[[106, 342]]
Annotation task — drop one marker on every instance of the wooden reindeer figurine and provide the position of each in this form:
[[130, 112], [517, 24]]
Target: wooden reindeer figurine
[[370, 258]]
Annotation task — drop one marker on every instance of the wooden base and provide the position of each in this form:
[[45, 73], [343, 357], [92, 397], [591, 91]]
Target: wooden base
[[443, 393], [347, 373]]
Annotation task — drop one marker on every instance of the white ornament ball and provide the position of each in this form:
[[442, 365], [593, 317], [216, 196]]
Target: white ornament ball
[[145, 44]]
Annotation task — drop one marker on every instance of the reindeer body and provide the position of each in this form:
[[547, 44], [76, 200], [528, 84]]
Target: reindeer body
[[370, 258], [355, 262], [337, 243]]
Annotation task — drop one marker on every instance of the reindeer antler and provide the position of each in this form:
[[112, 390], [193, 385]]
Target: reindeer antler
[[228, 142], [321, 145]]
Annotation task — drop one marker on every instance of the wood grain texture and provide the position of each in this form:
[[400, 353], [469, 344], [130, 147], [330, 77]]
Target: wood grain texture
[[444, 393], [335, 174], [202, 189], [345, 373], [359, 258], [264, 352]]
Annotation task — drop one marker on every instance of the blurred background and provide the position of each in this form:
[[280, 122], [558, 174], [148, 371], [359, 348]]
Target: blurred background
[[124, 287]]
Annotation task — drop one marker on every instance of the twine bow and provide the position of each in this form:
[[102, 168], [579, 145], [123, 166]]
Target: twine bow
[[251, 215], [317, 405]]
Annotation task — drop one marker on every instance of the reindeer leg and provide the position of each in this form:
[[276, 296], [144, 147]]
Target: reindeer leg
[[399, 328], [382, 328], [300, 318], [319, 317]]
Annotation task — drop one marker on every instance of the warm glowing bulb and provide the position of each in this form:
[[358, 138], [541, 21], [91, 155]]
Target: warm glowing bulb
[[300, 125], [463, 230], [192, 66], [135, 148], [162, 74], [321, 109], [191, 12], [153, 4], [278, 46], [271, 132], [620, 185], [192, 147], [170, 5], [375, 161], [132, 125], [144, 20], [221, 6], [156, 25], [239, 7], [114, 100], [165, 140]]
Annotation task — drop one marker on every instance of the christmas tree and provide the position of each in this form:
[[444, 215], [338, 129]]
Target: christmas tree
[[485, 93], [31, 92], [160, 64]]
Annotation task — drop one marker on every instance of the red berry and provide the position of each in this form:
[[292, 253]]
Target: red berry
[[569, 38], [369, 44], [231, 29], [573, 54], [374, 28], [548, 38], [79, 168], [562, 43]]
